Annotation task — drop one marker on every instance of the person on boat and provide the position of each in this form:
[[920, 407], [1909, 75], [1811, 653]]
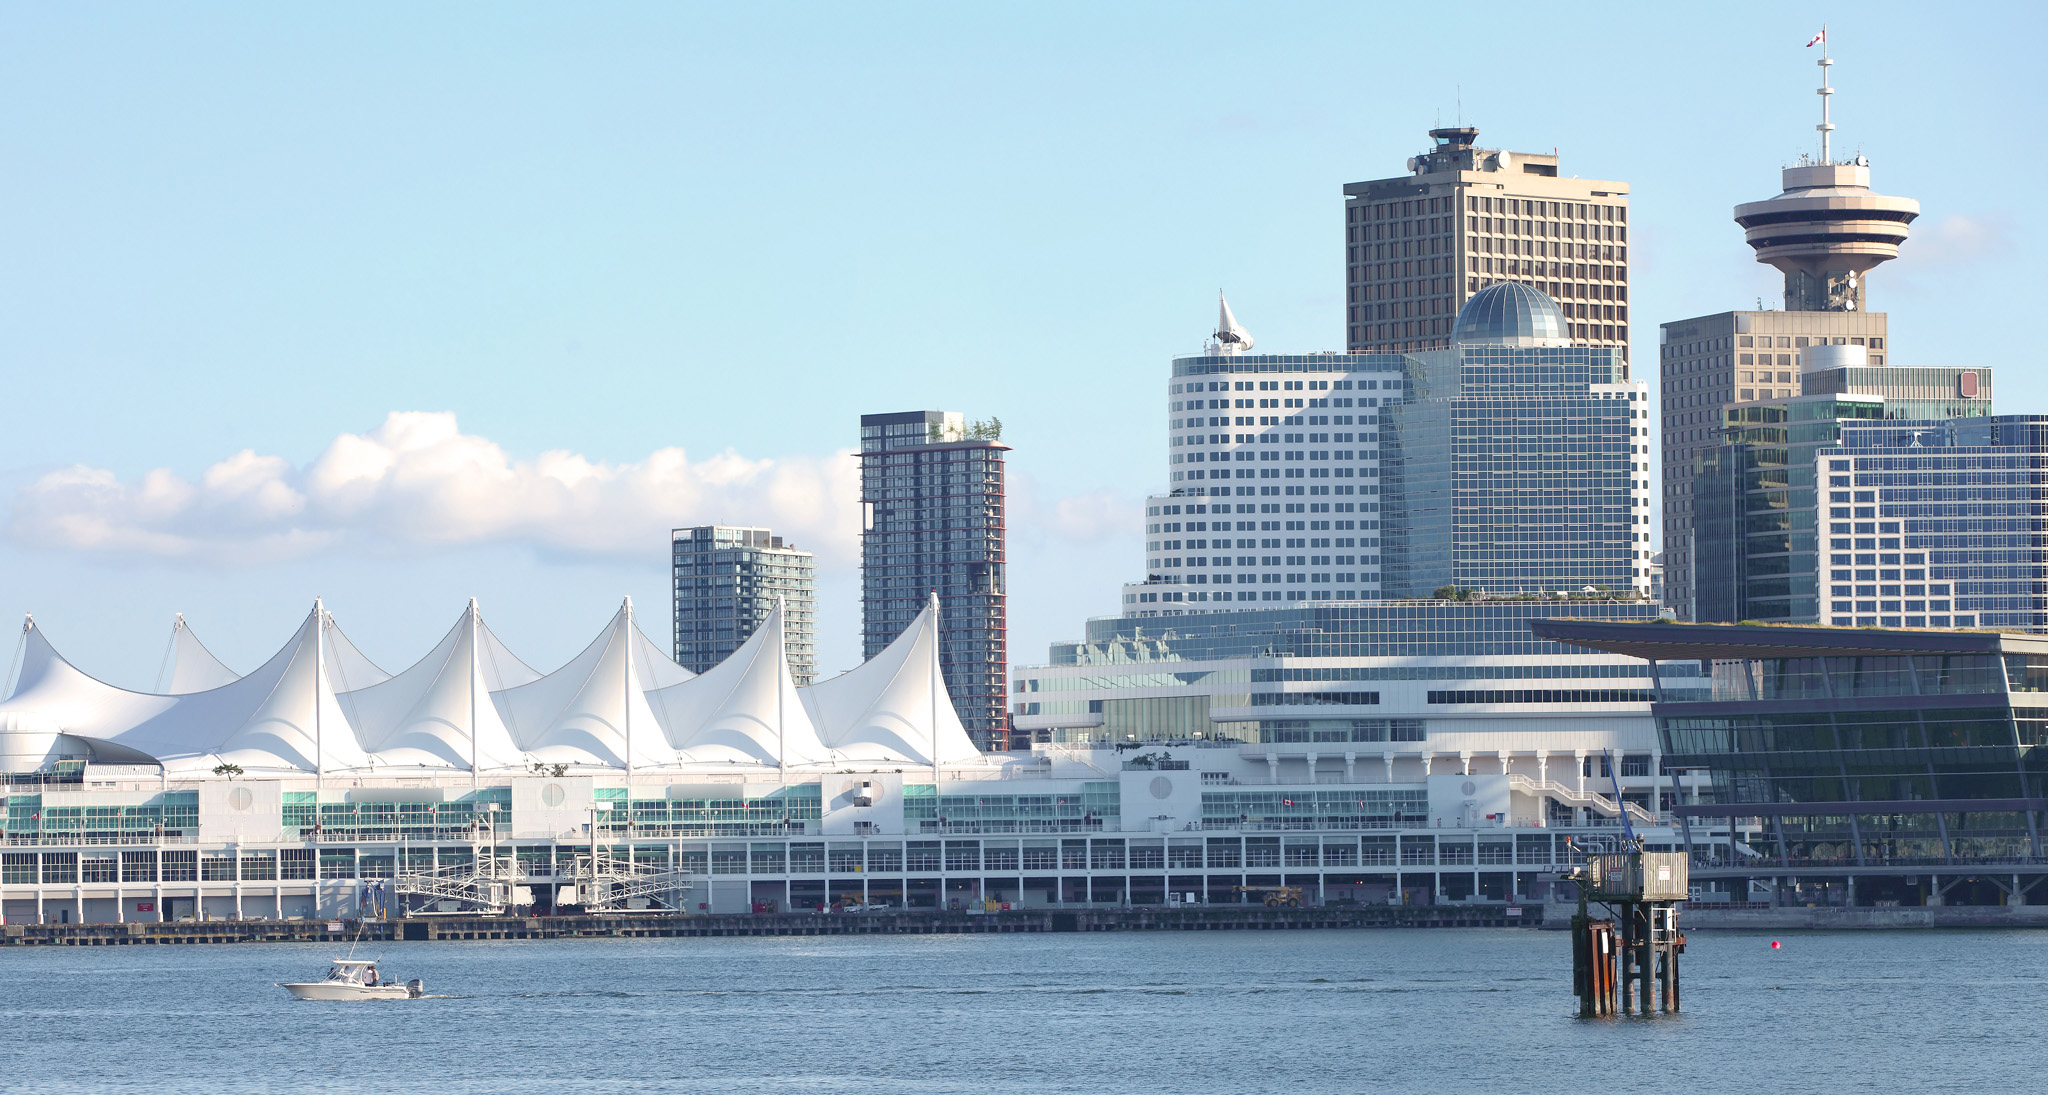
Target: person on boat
[[370, 977]]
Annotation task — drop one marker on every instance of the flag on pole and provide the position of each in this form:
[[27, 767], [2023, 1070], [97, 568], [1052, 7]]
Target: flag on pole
[[1818, 38]]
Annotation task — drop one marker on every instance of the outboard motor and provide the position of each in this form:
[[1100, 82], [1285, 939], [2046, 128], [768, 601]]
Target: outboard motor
[[414, 989]]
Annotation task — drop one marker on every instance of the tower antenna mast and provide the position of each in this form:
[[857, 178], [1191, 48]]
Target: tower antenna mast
[[1826, 127]]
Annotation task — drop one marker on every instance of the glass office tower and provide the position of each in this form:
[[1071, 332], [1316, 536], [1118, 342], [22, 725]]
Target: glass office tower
[[1757, 525], [1518, 462], [1938, 524]]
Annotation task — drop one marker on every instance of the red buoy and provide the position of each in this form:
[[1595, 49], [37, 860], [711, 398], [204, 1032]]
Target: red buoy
[[1774, 944]]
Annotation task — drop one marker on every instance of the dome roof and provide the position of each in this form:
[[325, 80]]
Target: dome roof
[[1511, 314]]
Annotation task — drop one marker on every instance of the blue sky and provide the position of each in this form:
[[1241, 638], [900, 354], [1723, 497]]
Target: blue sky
[[231, 235]]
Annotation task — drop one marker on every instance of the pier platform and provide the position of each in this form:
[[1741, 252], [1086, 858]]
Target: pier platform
[[657, 925]]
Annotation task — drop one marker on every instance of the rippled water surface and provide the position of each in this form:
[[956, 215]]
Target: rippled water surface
[[1422, 1011]]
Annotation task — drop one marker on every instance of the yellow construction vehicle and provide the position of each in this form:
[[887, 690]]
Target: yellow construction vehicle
[[1277, 897]]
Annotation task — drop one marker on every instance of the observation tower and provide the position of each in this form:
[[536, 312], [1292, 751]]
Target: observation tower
[[1829, 228]]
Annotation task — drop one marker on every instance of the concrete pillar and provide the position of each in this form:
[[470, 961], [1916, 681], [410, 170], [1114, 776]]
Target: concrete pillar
[[1543, 766], [1351, 767], [1272, 768], [1389, 758], [1464, 763], [1426, 759], [1503, 755], [1311, 766]]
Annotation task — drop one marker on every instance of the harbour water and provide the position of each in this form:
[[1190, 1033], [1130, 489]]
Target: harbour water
[[1187, 1013]]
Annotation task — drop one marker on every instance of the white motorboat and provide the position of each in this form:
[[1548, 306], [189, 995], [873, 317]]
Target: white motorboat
[[355, 979]]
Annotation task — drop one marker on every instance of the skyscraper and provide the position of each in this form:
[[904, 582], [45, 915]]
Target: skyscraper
[[1515, 461], [726, 583], [932, 499], [1518, 460], [1825, 231], [1765, 528], [1463, 218]]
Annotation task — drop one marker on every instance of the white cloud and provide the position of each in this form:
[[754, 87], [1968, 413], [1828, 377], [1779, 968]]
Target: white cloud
[[1955, 241], [418, 479]]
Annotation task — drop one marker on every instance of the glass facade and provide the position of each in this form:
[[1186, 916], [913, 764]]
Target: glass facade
[[1938, 524], [726, 583], [1516, 470], [1757, 528], [934, 522], [1878, 754]]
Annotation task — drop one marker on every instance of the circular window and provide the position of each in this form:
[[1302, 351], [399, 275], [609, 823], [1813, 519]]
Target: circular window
[[240, 799], [552, 795], [1161, 787], [1468, 788]]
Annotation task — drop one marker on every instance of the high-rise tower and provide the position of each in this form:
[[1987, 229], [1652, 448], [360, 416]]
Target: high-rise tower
[[727, 582], [1463, 218], [1825, 231], [931, 488]]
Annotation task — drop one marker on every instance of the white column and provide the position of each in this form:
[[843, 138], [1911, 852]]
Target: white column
[[1389, 758], [1464, 763], [1351, 767]]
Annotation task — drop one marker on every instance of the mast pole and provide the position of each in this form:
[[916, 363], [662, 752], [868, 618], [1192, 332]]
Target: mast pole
[[319, 673], [626, 696], [474, 667], [1826, 127]]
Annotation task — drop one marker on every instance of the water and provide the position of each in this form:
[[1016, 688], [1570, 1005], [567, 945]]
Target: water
[[1326, 1011]]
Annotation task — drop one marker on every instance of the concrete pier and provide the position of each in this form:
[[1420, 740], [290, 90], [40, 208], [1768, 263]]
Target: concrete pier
[[653, 925]]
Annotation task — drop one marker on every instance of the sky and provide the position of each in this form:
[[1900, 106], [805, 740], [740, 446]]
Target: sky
[[399, 305]]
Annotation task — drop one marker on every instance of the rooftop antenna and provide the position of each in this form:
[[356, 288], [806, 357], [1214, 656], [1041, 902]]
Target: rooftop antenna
[[1826, 127]]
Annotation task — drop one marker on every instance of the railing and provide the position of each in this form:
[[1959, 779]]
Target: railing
[[1930, 864], [1582, 799]]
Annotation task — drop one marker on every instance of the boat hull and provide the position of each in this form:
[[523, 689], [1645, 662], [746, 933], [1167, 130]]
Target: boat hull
[[332, 990]]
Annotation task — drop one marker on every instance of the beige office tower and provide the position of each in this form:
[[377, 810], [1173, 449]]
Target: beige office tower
[[1466, 217], [1825, 232]]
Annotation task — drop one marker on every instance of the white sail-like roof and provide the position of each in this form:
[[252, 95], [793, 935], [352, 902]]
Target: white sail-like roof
[[744, 710], [192, 668], [347, 668], [584, 712], [53, 693], [471, 703], [439, 712], [895, 707], [270, 719]]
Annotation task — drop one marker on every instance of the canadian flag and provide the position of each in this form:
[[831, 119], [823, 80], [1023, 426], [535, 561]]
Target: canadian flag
[[1818, 38]]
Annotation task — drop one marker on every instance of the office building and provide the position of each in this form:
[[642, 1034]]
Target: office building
[[1417, 245], [727, 582], [1852, 767], [932, 500], [1825, 231], [1760, 523], [1937, 524], [1518, 461], [1514, 462]]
